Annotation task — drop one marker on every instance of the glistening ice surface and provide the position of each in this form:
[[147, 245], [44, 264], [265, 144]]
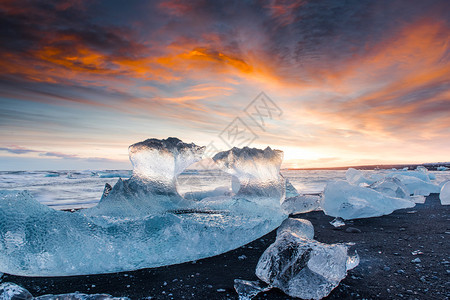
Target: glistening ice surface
[[144, 221]]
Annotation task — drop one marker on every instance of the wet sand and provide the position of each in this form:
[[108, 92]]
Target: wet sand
[[385, 244]]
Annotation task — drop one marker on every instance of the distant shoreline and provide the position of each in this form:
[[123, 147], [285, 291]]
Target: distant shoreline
[[429, 166]]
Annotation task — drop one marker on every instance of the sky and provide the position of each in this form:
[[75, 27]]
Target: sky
[[331, 83]]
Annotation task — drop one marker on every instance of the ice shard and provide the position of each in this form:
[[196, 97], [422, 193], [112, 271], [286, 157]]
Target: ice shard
[[444, 196], [143, 222], [304, 268], [337, 222], [249, 289], [341, 199]]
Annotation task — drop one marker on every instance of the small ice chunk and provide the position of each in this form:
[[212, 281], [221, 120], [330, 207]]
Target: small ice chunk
[[337, 222], [304, 268], [341, 199], [442, 168], [353, 257], [301, 204], [249, 289], [12, 291], [444, 196], [301, 227]]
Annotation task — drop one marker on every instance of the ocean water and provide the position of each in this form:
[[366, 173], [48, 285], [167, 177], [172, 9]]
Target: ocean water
[[83, 189]]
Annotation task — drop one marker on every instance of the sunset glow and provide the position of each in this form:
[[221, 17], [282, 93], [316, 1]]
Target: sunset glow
[[358, 82]]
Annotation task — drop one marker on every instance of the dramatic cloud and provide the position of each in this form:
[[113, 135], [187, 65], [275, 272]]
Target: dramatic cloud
[[357, 80]]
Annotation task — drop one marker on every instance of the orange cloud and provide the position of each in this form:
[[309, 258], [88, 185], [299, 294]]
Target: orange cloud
[[390, 85]]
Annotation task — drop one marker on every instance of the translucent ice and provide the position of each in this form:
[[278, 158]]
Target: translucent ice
[[249, 289], [347, 201], [391, 186], [219, 191], [143, 222], [337, 222], [302, 228], [445, 194], [416, 185], [258, 171], [357, 177], [152, 187], [304, 268], [12, 291], [442, 168], [422, 175], [291, 191], [301, 204], [424, 170]]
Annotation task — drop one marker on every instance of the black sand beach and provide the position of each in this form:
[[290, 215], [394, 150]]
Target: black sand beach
[[387, 246]]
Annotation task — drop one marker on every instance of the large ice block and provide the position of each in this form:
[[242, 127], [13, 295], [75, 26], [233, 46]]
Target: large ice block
[[142, 222], [341, 199], [152, 187], [304, 268]]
